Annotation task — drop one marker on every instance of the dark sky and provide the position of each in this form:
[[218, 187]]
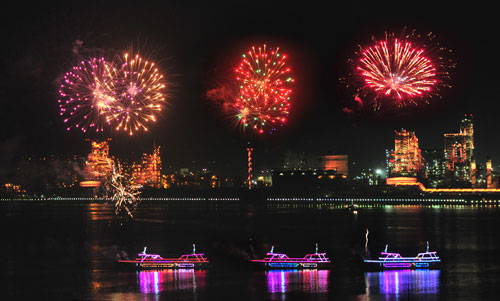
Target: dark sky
[[194, 40]]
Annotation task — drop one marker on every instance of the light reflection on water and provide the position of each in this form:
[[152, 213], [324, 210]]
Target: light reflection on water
[[402, 283], [306, 281], [157, 281], [64, 235]]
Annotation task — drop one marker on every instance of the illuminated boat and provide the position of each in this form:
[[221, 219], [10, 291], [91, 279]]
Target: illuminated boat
[[387, 260], [282, 261], [155, 261]]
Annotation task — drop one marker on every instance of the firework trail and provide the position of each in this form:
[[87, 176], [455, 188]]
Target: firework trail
[[265, 87], [399, 70], [366, 240], [125, 193], [87, 95]]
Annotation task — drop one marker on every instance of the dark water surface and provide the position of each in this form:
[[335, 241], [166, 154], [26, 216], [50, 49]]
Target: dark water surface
[[67, 250]]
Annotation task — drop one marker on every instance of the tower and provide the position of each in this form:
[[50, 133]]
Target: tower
[[473, 172], [459, 151], [406, 159], [489, 174], [99, 164], [249, 154], [147, 171], [467, 129]]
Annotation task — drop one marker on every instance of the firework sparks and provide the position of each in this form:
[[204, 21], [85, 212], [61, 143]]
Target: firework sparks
[[87, 95], [125, 193], [126, 94], [397, 69], [140, 89], [265, 87], [400, 70]]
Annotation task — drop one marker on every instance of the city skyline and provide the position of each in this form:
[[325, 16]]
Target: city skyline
[[192, 129], [180, 150], [455, 166]]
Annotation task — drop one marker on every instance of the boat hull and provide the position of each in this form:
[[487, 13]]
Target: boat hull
[[164, 265], [291, 265], [381, 265]]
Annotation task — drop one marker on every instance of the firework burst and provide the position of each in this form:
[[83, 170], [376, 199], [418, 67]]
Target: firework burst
[[126, 93], [265, 87], [400, 70], [140, 91], [87, 95]]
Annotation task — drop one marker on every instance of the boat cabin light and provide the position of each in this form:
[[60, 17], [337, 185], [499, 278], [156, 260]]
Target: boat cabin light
[[316, 257], [277, 256]]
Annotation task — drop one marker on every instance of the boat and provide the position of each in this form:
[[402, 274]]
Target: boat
[[145, 260], [282, 261], [353, 207], [388, 260]]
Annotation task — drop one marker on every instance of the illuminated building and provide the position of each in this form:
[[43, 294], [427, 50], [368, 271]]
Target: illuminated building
[[265, 178], [491, 177], [473, 174], [41, 174], [190, 181], [467, 129], [147, 171], [302, 180], [296, 161], [412, 182], [455, 156], [369, 177], [10, 189], [331, 162], [98, 163], [434, 166], [339, 163], [406, 158], [402, 181], [306, 171], [459, 151]]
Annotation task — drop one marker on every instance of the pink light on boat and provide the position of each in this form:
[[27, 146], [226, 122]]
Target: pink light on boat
[[281, 260], [155, 261]]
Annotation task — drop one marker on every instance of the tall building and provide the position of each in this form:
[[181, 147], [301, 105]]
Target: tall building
[[406, 158], [467, 129], [455, 154], [98, 163], [473, 174], [459, 151], [491, 176], [147, 171], [435, 167]]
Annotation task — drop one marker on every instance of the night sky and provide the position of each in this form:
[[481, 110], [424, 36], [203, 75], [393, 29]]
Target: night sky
[[193, 41]]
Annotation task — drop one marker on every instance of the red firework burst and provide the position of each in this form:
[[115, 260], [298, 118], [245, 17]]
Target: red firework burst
[[265, 87], [400, 70]]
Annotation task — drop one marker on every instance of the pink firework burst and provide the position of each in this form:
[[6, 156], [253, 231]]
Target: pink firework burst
[[86, 95]]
